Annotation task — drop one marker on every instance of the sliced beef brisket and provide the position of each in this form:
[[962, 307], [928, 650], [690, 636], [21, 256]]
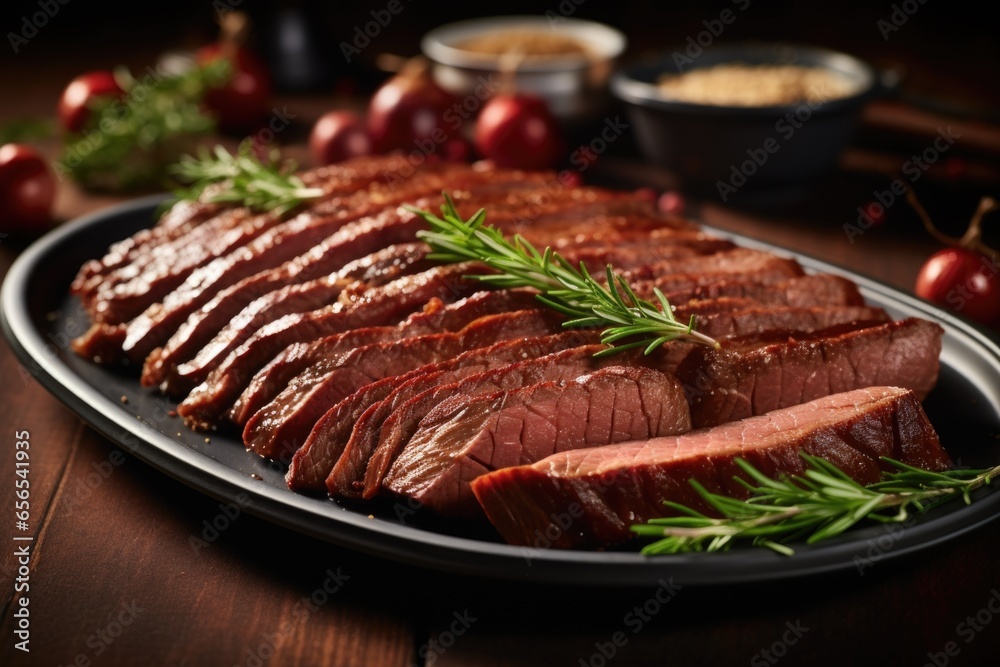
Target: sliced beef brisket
[[380, 306], [436, 316], [333, 440], [282, 426], [465, 437], [612, 488]]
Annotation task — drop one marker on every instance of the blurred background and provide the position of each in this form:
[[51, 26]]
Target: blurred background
[[936, 64]]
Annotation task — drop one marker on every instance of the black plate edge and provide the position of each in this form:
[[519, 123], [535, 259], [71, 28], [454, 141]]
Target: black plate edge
[[442, 552]]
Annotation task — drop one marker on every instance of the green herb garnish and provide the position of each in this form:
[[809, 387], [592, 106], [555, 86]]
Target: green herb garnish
[[128, 143], [571, 291], [261, 185], [820, 504]]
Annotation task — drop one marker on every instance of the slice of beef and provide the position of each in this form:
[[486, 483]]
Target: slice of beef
[[166, 366], [161, 320], [596, 235], [758, 319], [640, 252], [337, 179], [372, 456], [499, 368], [763, 373], [639, 262], [269, 285], [357, 239], [815, 290], [101, 343], [204, 265], [605, 490], [121, 294], [465, 437], [179, 220], [566, 233], [302, 263], [227, 225], [383, 305], [282, 426], [740, 265], [334, 440], [627, 213], [159, 272], [435, 317], [398, 428], [737, 260]]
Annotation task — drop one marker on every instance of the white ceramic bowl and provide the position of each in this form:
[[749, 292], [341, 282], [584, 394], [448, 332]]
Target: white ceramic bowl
[[575, 87]]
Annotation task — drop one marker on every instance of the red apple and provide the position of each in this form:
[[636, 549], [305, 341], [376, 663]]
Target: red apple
[[27, 190], [244, 101], [80, 94], [337, 136], [410, 112], [518, 131]]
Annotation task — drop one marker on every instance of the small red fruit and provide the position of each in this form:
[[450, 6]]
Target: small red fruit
[[27, 190], [671, 203], [411, 112], [81, 93], [964, 277], [518, 131], [241, 104], [337, 136], [963, 280]]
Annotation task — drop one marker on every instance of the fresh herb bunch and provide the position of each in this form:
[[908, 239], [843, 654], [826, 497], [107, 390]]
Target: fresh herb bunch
[[820, 504], [128, 143], [264, 185], [571, 291]]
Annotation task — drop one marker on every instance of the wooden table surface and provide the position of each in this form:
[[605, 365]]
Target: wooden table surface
[[114, 579]]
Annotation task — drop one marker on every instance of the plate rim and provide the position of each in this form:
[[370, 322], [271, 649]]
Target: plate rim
[[332, 523]]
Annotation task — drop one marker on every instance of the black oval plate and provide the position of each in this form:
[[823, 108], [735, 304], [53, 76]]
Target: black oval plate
[[39, 319]]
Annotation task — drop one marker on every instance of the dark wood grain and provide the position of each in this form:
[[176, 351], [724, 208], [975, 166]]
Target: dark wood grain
[[25, 406], [894, 614], [251, 591]]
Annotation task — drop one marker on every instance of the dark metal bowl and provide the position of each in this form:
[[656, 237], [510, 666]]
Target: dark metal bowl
[[725, 148]]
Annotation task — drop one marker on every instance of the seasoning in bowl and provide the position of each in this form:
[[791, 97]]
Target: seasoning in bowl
[[528, 43], [737, 84]]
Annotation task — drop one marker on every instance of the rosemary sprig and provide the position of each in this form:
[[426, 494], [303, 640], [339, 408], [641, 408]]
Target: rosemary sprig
[[820, 504], [571, 291], [252, 182]]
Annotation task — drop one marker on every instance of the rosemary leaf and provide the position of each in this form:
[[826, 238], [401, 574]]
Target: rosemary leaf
[[821, 503], [251, 182], [570, 290]]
